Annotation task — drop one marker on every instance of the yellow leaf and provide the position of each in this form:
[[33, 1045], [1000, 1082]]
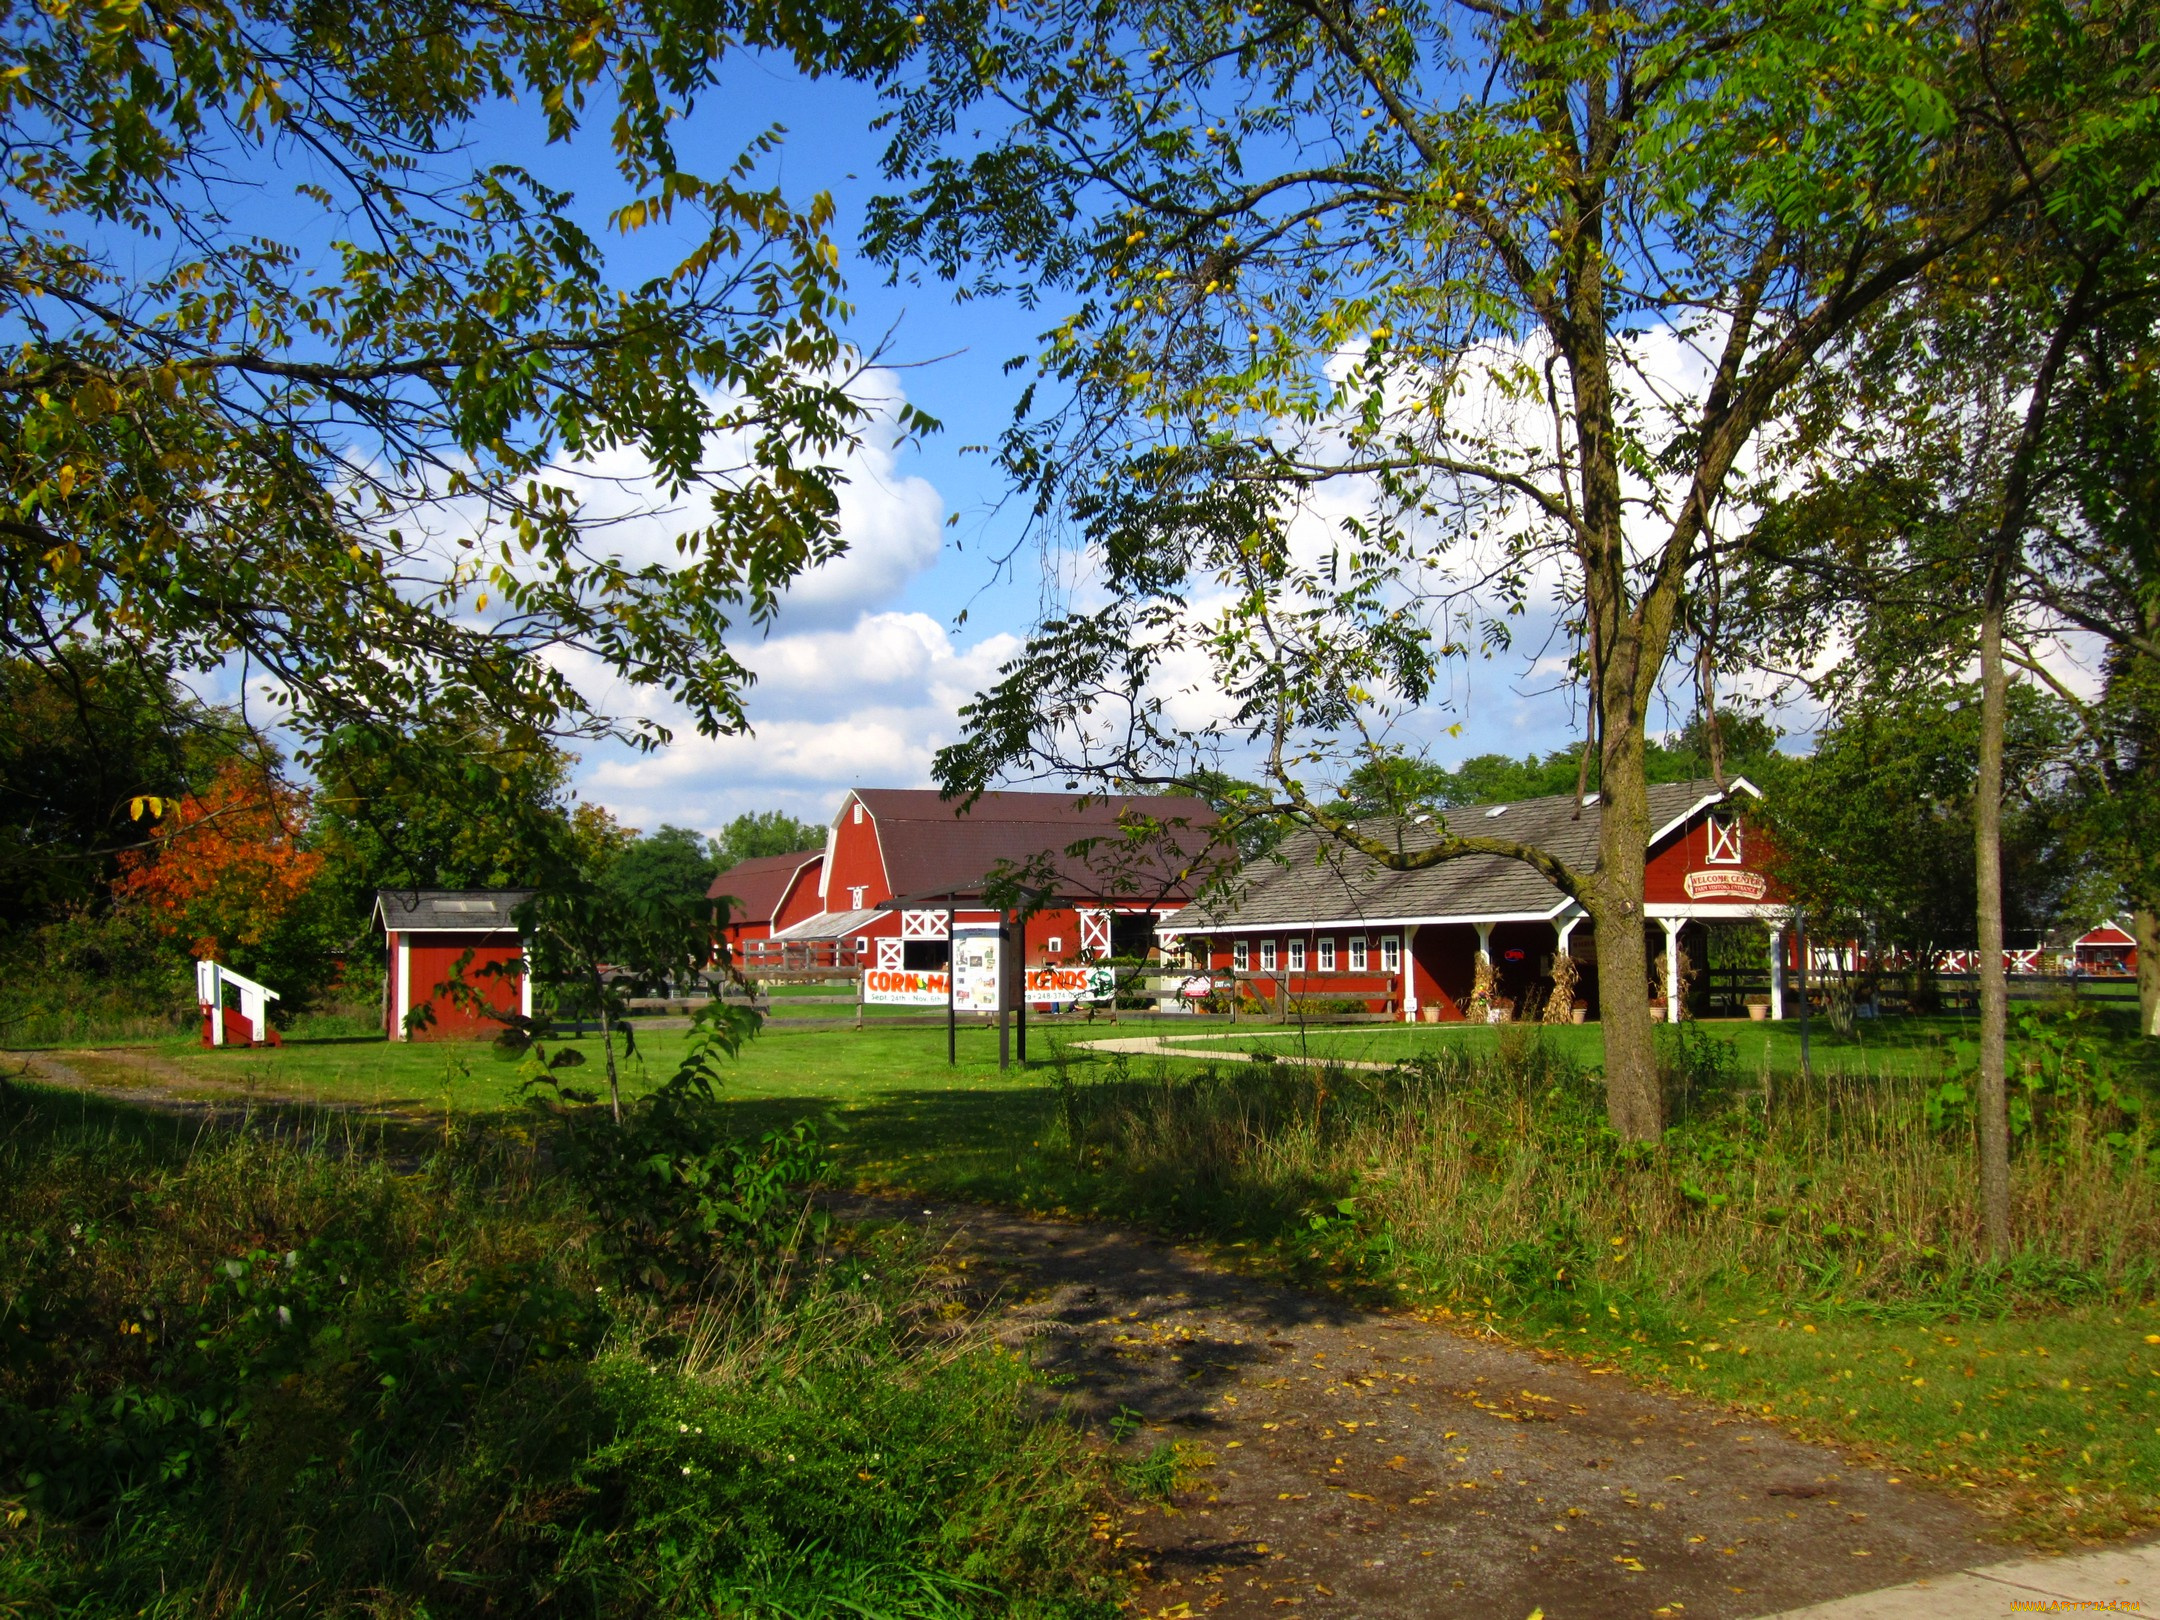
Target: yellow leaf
[[65, 478]]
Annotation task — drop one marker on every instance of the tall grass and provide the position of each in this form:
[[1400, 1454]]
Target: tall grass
[[253, 1375], [1472, 1177]]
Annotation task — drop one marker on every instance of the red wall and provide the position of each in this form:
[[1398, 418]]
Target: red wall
[[431, 963], [801, 899], [1688, 850], [856, 862]]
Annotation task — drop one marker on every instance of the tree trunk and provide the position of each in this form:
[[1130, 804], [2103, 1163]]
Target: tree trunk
[[1634, 1100], [607, 1045], [1994, 985], [2145, 926]]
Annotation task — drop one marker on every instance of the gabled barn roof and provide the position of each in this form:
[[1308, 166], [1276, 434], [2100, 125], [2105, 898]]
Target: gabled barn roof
[[449, 911], [758, 885], [1315, 880], [2108, 934], [933, 845]]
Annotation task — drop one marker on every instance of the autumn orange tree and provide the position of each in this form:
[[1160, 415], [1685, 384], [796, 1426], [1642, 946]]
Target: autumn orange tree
[[229, 873]]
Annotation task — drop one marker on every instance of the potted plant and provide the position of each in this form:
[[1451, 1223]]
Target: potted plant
[[1758, 1007]]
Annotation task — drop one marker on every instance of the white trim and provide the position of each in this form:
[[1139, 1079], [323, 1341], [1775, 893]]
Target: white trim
[[404, 989], [1354, 923], [1777, 973], [1699, 807], [1711, 911], [524, 982]]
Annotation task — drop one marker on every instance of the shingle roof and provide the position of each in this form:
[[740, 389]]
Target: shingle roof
[[931, 845], [758, 885], [1314, 879], [424, 911]]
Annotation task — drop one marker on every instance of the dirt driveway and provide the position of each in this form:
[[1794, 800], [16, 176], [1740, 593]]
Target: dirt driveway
[[1377, 1465]]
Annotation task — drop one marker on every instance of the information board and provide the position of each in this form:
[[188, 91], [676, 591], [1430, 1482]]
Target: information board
[[975, 973]]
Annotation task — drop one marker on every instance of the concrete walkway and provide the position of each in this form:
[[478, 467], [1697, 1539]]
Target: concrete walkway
[[2125, 1581], [1184, 1046]]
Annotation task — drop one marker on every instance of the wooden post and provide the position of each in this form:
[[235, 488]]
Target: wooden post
[[1004, 984]]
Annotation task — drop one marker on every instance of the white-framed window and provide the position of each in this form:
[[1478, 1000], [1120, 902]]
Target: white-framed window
[[854, 896], [1267, 956], [1297, 956], [1054, 944], [862, 945], [1724, 834], [858, 815], [1241, 956], [1390, 953], [1358, 958], [1327, 956]]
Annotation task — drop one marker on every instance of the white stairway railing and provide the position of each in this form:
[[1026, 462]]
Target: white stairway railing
[[210, 982]]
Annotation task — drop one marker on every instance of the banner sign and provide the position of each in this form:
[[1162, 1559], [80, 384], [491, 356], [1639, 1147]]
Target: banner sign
[[1725, 885], [975, 977], [1080, 982], [900, 987]]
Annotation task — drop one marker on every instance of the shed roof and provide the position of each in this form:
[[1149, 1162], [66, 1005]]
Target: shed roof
[[2108, 934], [449, 911], [1142, 846], [758, 885], [1315, 880], [828, 925]]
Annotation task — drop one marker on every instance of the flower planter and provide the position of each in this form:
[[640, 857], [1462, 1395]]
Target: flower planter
[[1758, 1010], [1580, 1015]]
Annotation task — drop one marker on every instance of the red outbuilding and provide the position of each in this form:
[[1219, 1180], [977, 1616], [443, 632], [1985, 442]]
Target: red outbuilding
[[2109, 949], [768, 893], [903, 866], [426, 934]]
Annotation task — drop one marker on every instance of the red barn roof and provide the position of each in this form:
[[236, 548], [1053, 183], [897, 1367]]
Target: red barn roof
[[2107, 934], [759, 885], [1141, 845]]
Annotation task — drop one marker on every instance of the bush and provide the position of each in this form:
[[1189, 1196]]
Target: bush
[[275, 1372]]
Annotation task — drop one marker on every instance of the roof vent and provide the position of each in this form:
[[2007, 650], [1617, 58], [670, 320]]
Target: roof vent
[[1496, 810], [1590, 798]]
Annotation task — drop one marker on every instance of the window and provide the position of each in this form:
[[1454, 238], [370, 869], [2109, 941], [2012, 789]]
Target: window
[[1358, 958], [1724, 841], [1390, 954], [854, 897], [1241, 956], [862, 946], [1327, 956], [1054, 944], [858, 815], [1297, 956], [1267, 956]]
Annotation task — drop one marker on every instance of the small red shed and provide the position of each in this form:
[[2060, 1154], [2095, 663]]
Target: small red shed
[[426, 932], [2109, 949]]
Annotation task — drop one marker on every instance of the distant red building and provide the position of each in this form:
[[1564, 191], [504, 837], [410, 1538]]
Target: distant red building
[[902, 866], [426, 933], [1330, 921], [768, 893], [2108, 949]]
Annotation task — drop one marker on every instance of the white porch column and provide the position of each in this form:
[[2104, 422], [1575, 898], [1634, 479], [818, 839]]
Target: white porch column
[[1777, 971], [1484, 939], [524, 981], [1409, 973], [1672, 926], [1567, 930], [404, 991]]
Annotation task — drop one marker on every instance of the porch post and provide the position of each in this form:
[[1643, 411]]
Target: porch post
[[1409, 974], [1777, 971], [1672, 926], [1484, 939]]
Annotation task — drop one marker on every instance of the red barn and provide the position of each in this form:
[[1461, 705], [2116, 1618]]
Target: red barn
[[767, 893], [1338, 923], [902, 865], [426, 933]]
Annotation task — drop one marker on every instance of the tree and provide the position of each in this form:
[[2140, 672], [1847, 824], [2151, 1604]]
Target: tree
[[229, 876], [670, 866], [85, 737], [441, 806], [1507, 286], [301, 381], [764, 832]]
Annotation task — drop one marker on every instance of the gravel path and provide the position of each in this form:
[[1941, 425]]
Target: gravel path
[[1378, 1465]]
